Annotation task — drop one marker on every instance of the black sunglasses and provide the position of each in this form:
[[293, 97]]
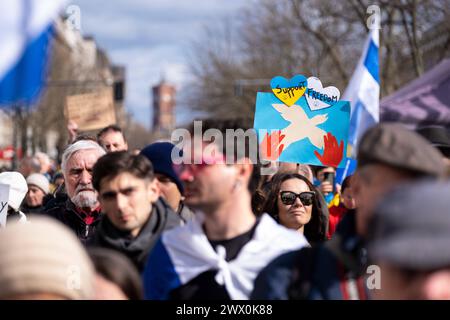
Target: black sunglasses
[[306, 198]]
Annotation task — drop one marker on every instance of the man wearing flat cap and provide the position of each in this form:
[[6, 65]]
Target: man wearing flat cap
[[409, 240], [388, 155], [439, 137]]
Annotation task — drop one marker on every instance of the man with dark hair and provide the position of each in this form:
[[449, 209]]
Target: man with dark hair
[[112, 139], [219, 252], [128, 194]]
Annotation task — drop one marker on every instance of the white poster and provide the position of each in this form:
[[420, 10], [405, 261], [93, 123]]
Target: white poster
[[4, 196]]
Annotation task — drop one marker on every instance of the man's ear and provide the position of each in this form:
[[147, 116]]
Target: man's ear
[[245, 169], [153, 190]]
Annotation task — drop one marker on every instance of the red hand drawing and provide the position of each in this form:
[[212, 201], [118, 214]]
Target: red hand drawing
[[271, 146], [332, 152]]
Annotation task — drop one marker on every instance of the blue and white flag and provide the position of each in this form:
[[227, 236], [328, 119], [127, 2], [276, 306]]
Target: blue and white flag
[[363, 91], [25, 33], [184, 252]]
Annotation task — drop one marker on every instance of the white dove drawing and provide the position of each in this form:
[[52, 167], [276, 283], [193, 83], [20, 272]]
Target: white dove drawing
[[301, 126]]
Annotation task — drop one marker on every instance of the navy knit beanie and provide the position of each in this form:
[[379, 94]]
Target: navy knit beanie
[[159, 154]]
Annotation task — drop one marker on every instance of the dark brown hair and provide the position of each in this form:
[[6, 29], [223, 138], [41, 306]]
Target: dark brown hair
[[315, 230], [114, 163], [237, 149], [347, 183], [117, 268], [113, 128], [232, 147]]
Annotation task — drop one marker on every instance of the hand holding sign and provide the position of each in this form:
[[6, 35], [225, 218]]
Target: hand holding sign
[[72, 129], [289, 91], [332, 152]]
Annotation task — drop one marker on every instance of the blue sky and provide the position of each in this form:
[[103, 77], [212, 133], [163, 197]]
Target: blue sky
[[152, 39]]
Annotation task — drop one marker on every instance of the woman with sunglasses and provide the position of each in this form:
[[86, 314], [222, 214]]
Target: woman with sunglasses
[[295, 203]]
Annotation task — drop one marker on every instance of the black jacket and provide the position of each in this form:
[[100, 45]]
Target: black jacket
[[137, 249], [39, 209], [34, 210], [65, 212], [323, 272]]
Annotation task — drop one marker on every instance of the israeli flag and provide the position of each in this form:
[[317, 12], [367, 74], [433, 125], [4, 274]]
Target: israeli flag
[[25, 33], [363, 91]]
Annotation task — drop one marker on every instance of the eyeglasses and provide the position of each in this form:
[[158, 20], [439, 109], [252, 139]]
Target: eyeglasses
[[306, 198]]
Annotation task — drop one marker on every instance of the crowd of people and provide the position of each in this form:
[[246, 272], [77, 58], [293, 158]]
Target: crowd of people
[[107, 223]]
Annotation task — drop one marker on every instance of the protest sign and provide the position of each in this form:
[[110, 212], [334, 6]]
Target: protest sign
[[299, 134], [4, 197], [91, 111]]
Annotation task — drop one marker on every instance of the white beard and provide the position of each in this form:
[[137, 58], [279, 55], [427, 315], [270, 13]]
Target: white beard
[[85, 199]]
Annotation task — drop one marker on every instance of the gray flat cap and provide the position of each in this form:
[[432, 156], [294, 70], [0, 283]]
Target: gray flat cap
[[396, 146]]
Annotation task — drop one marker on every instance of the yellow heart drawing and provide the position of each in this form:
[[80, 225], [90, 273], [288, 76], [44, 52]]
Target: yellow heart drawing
[[289, 91]]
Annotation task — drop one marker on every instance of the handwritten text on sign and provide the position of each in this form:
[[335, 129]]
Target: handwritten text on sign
[[4, 196], [319, 97], [289, 91], [91, 111]]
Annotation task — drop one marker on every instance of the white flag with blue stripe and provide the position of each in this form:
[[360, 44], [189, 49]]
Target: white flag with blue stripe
[[363, 91], [25, 33], [184, 253]]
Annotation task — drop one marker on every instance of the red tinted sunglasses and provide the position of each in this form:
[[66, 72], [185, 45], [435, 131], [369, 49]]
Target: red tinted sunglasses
[[196, 167]]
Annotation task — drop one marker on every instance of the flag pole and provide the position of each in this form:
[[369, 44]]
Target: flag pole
[[15, 115]]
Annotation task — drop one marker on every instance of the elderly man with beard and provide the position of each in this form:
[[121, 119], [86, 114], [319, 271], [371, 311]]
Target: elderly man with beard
[[81, 211]]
